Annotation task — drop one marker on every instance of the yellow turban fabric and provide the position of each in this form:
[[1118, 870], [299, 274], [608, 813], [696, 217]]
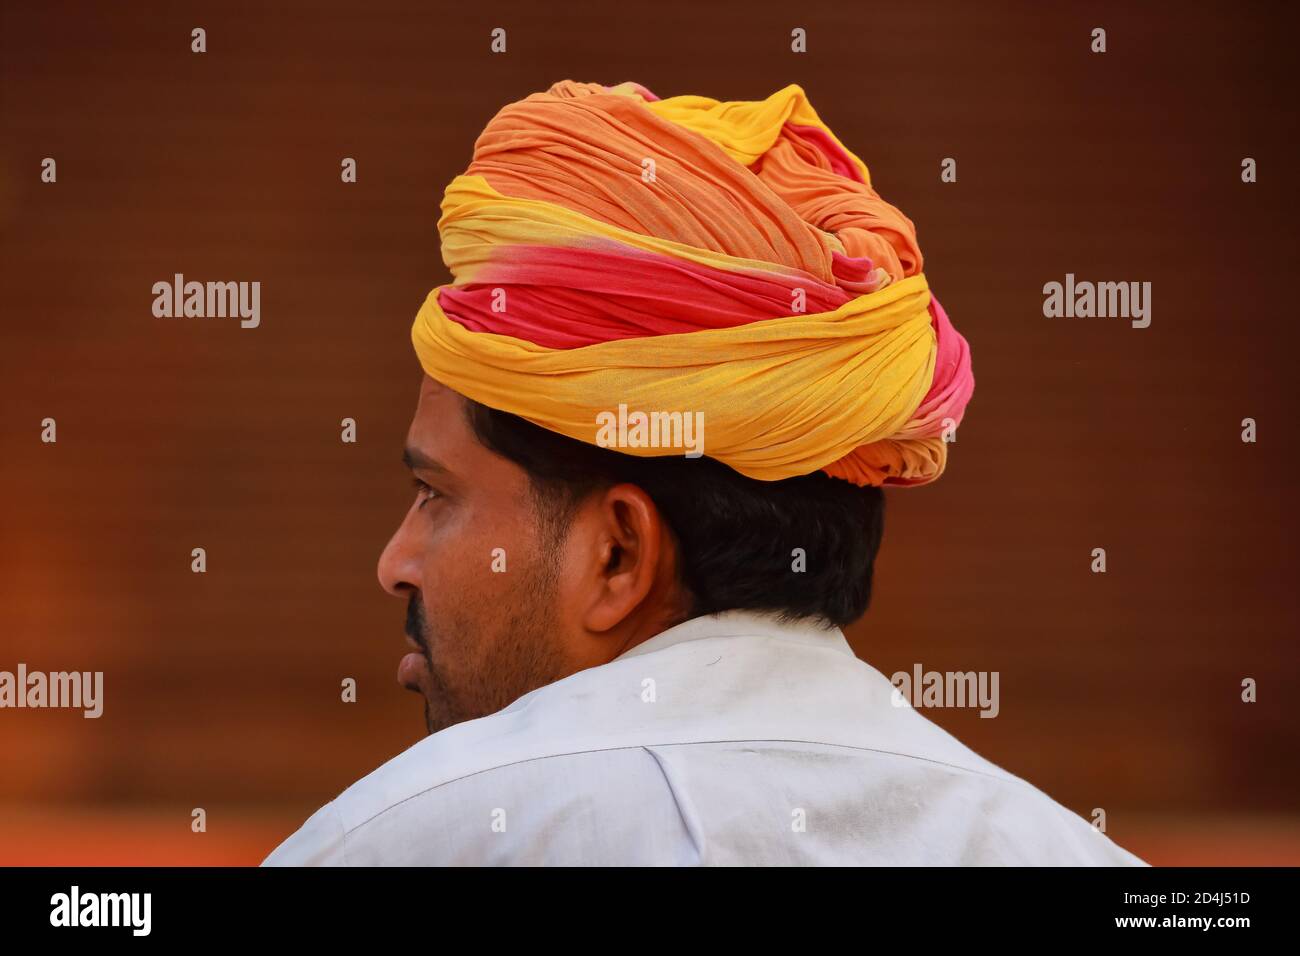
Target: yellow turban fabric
[[729, 261]]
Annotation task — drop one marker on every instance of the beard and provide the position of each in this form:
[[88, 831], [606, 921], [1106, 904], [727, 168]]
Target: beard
[[484, 654]]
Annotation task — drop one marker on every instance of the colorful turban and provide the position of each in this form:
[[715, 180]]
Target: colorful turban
[[611, 248]]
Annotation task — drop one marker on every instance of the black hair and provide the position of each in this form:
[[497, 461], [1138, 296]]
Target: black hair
[[736, 535]]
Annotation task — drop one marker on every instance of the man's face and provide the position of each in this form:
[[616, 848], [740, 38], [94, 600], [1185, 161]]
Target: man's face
[[484, 609]]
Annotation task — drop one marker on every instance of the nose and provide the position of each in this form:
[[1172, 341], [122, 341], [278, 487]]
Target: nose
[[399, 564]]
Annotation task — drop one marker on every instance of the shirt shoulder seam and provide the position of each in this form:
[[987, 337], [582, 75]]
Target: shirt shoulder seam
[[1002, 775]]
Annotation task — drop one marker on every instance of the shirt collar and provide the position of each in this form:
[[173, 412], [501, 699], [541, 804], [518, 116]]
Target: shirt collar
[[744, 623]]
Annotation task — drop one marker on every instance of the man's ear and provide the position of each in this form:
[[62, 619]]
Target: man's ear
[[631, 557]]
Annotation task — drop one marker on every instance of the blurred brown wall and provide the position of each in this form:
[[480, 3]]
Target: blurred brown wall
[[1119, 691]]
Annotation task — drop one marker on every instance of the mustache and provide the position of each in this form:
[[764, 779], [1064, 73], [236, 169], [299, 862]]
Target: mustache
[[415, 622]]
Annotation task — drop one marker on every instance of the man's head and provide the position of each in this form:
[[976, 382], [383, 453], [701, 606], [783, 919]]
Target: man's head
[[527, 556], [695, 261]]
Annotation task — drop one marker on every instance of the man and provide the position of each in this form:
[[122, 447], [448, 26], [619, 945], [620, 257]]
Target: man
[[686, 345]]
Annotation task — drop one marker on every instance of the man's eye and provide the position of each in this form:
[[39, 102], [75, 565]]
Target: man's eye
[[423, 492]]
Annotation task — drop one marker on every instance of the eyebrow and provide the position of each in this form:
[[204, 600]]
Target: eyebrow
[[415, 459]]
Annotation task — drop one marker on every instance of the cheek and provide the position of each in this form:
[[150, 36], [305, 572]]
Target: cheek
[[468, 566]]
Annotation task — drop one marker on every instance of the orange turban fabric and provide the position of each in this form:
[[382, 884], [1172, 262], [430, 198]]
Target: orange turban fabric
[[729, 261]]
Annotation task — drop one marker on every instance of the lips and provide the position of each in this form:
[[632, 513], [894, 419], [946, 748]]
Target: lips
[[414, 666], [410, 670]]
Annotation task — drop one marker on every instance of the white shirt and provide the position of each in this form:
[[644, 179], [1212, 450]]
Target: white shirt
[[731, 739]]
